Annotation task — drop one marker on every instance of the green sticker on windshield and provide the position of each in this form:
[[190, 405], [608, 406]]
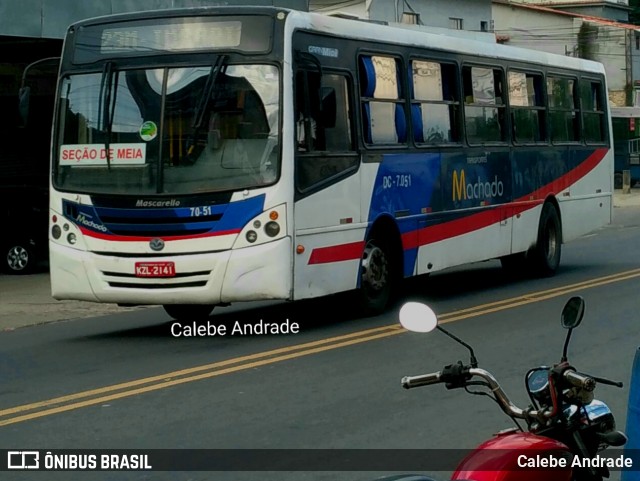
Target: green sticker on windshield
[[148, 130]]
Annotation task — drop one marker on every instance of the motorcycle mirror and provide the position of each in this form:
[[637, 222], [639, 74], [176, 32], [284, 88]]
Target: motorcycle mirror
[[571, 317], [572, 312], [418, 317]]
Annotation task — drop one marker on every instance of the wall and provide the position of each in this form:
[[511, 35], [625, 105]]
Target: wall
[[50, 18], [558, 33], [544, 31], [434, 13]]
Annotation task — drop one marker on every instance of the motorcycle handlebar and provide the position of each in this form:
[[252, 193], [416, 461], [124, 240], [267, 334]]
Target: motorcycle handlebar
[[574, 378], [505, 403], [580, 380], [409, 382]]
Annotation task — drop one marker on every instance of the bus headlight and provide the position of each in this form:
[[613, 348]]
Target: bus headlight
[[272, 229], [251, 236], [72, 236], [268, 226]]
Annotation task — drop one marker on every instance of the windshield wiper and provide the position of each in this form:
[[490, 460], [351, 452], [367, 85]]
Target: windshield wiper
[[108, 106], [207, 94]]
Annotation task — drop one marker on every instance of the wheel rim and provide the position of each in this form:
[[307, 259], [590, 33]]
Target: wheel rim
[[552, 243], [375, 273], [17, 258]]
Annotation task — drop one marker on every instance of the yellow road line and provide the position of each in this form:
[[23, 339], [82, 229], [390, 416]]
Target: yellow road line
[[538, 296], [206, 371], [189, 371]]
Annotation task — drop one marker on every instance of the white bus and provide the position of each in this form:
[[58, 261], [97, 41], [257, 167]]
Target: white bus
[[216, 155]]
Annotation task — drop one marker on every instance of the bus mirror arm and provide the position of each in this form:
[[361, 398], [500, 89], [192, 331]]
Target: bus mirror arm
[[24, 95], [214, 139], [329, 107]]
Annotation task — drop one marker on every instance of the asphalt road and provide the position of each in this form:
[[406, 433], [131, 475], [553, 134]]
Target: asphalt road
[[121, 380]]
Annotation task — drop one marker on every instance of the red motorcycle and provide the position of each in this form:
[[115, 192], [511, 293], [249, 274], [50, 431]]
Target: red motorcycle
[[565, 424]]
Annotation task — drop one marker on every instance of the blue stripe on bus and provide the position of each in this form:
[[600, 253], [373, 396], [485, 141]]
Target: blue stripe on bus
[[107, 221], [432, 188]]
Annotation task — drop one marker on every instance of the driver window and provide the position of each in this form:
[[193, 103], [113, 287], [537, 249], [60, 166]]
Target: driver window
[[324, 128]]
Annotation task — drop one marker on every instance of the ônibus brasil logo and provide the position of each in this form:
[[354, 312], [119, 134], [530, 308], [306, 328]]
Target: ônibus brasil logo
[[463, 190]]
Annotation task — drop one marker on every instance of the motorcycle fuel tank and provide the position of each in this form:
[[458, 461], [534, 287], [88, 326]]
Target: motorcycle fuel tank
[[509, 457]]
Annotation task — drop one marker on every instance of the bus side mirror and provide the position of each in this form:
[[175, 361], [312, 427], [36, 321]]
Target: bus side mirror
[[328, 96], [24, 95]]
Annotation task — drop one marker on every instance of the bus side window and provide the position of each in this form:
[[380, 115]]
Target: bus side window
[[434, 102], [593, 117], [563, 114], [527, 107], [383, 115], [484, 106]]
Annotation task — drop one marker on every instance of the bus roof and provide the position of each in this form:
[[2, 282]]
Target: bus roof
[[422, 37], [373, 31]]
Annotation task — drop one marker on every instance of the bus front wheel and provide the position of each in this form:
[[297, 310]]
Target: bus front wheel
[[545, 256], [188, 312], [376, 277]]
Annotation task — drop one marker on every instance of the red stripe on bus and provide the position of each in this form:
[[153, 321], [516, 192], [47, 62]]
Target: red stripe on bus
[[131, 238], [343, 252], [464, 225], [569, 178]]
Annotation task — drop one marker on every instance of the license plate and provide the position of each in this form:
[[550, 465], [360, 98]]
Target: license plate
[[155, 269]]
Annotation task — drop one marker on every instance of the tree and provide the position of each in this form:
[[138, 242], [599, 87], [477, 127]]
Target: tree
[[634, 14]]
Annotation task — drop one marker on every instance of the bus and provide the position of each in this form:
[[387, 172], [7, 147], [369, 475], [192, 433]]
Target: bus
[[209, 156], [625, 123]]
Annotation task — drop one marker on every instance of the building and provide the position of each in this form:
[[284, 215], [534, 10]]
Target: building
[[468, 15], [616, 10], [615, 44]]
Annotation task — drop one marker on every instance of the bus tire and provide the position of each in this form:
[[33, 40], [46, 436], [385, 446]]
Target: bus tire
[[544, 257], [376, 276], [188, 312]]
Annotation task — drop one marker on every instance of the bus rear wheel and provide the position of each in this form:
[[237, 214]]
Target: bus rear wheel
[[188, 312], [545, 256], [375, 277]]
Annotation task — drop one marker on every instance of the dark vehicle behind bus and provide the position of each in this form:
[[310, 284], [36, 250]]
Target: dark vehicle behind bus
[[24, 242]]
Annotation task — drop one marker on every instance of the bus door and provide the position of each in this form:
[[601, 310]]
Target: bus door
[[327, 214]]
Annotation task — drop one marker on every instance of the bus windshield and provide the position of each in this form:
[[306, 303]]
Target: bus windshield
[[168, 130]]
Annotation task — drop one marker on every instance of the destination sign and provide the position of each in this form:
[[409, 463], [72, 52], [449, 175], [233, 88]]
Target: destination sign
[[173, 35]]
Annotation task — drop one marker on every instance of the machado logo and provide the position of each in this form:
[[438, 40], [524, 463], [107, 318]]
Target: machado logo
[[82, 219], [480, 189]]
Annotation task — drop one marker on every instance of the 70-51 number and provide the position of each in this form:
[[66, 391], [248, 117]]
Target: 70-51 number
[[200, 211]]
